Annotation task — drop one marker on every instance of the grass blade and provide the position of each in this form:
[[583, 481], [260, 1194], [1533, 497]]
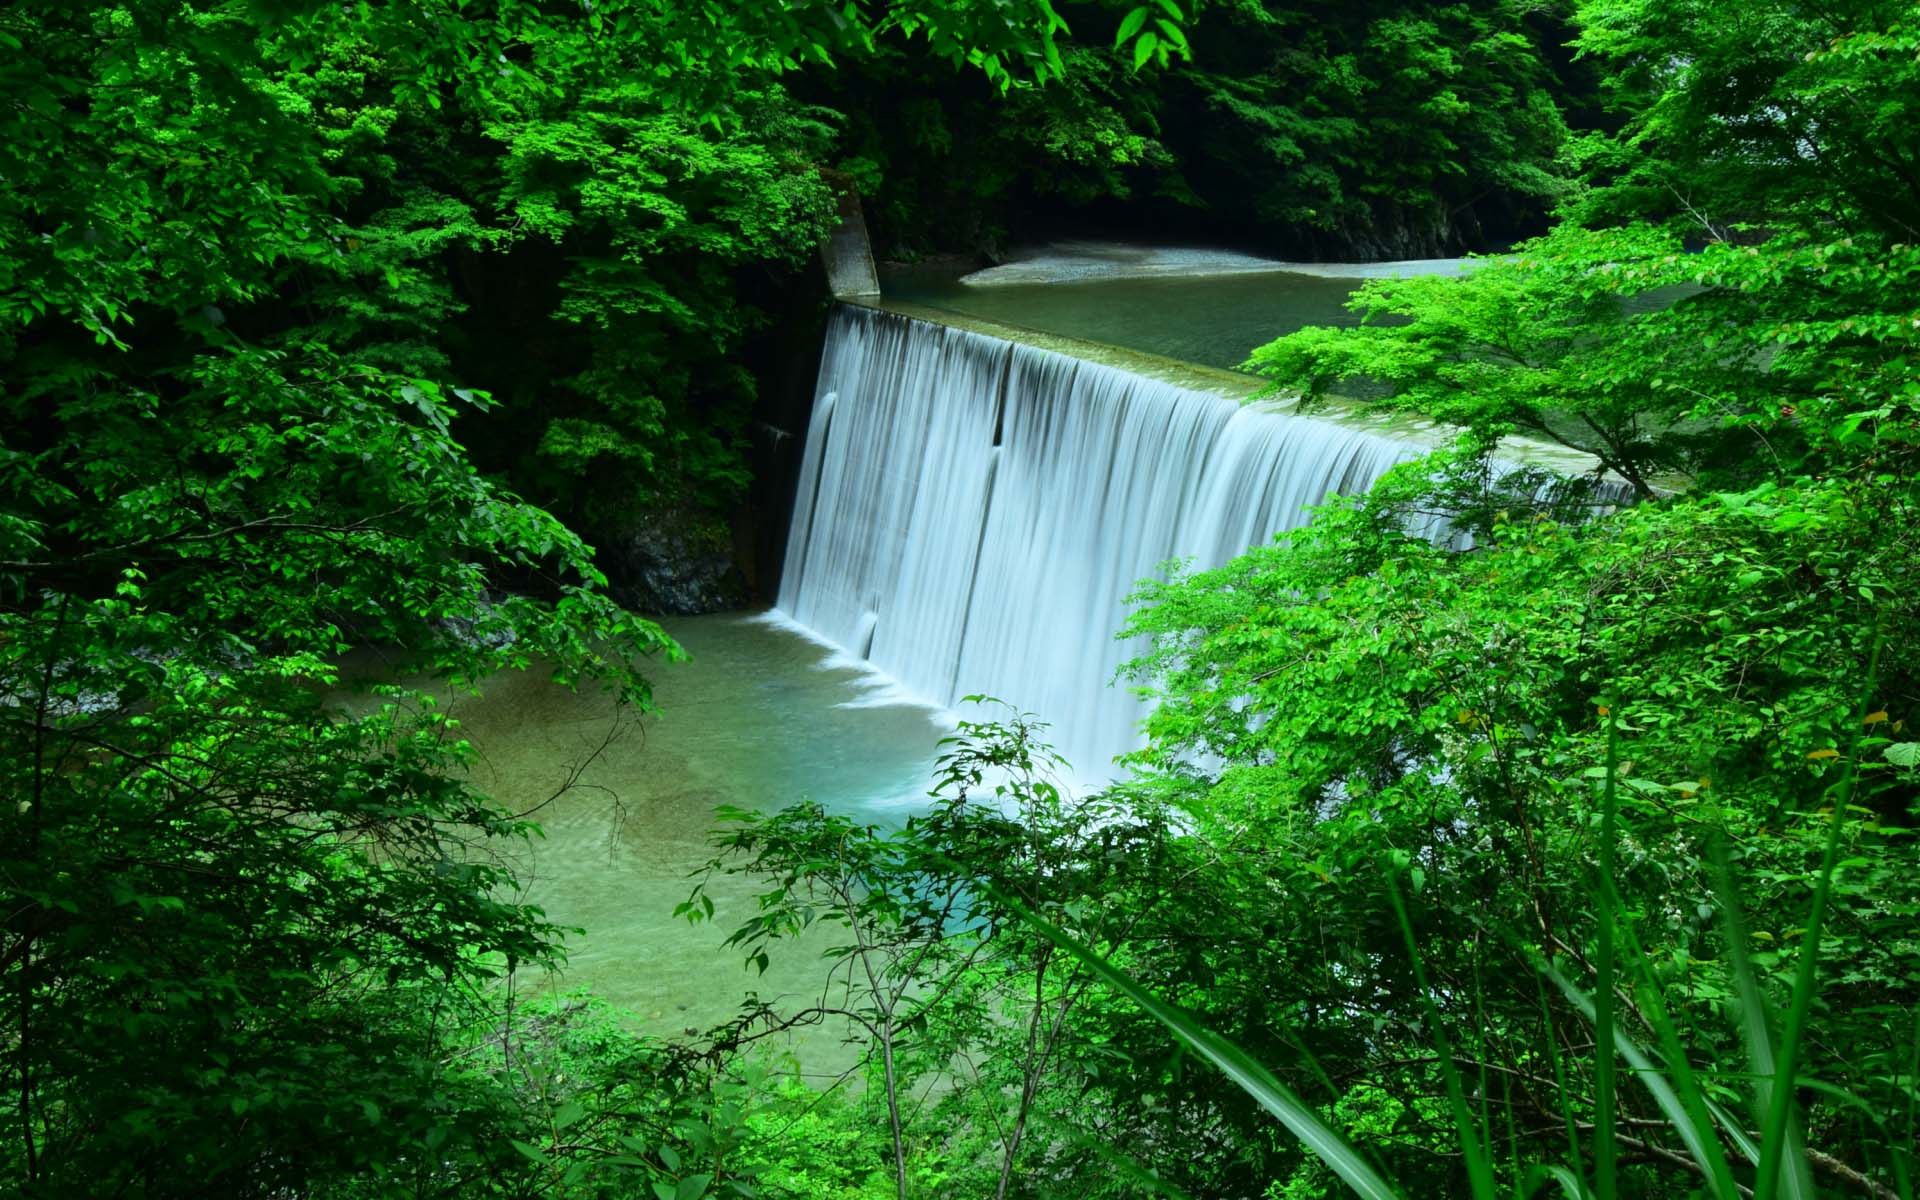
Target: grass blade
[[1694, 1129], [1569, 1181], [1321, 1139], [1682, 1100], [1605, 1153], [1479, 1171], [1779, 1117], [1705, 1120], [1797, 1183], [1903, 1151], [1561, 1086]]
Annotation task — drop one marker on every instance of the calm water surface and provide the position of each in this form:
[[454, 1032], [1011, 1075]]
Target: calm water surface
[[759, 718], [1213, 320]]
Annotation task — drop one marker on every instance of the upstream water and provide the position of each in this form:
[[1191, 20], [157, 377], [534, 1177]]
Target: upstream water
[[762, 716], [1216, 322], [1197, 307]]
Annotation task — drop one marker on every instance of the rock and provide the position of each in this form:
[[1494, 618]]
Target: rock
[[674, 562], [477, 631]]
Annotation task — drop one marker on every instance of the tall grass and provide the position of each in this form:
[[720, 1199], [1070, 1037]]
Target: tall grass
[[1780, 1163], [1277, 1098]]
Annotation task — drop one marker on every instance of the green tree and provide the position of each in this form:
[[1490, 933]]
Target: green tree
[[1373, 130], [976, 1034], [1356, 702], [1376, 130], [250, 925], [1778, 113]]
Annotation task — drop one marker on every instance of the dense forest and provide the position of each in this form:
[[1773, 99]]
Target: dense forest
[[1579, 862]]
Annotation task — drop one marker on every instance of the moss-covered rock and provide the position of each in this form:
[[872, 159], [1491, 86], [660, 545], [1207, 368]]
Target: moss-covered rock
[[677, 562]]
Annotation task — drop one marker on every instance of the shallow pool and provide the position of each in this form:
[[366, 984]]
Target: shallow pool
[[761, 716]]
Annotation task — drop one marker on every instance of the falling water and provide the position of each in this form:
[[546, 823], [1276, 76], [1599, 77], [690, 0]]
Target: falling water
[[972, 513]]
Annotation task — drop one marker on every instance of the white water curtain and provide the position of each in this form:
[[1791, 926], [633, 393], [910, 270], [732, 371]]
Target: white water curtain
[[972, 513]]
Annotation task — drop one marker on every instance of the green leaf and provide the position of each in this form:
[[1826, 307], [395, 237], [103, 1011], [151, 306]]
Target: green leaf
[[692, 1187], [530, 1151], [1143, 48], [1473, 1144], [1293, 1112], [1571, 1185], [1701, 1140], [1796, 1179]]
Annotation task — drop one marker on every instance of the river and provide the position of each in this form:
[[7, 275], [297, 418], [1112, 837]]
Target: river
[[760, 717]]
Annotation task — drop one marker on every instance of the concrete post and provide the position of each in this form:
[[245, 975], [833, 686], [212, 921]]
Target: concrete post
[[848, 255]]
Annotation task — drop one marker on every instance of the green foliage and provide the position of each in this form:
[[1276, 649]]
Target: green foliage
[[946, 162], [252, 922], [656, 214], [939, 972], [1775, 111], [1635, 689], [1401, 764], [257, 938], [1389, 699], [1732, 363], [1370, 130], [228, 890], [1378, 129]]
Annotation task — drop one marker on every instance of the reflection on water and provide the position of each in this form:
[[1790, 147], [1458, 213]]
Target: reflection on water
[[1213, 320], [759, 718]]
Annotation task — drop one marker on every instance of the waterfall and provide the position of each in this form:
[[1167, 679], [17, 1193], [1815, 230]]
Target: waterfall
[[972, 513]]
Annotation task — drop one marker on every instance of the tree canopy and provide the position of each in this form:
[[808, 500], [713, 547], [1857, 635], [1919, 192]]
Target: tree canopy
[[248, 930], [332, 336]]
